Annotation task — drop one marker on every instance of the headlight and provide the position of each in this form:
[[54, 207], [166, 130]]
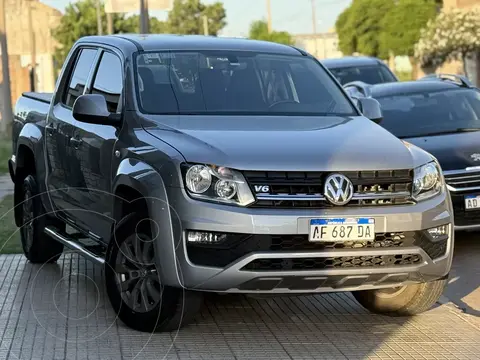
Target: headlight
[[215, 183], [198, 179], [427, 181]]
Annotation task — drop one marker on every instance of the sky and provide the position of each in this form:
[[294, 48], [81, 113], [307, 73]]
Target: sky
[[294, 16]]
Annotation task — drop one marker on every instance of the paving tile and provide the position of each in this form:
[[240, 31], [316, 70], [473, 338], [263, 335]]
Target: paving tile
[[61, 311]]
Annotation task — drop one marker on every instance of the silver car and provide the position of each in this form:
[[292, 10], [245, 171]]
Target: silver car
[[231, 166]]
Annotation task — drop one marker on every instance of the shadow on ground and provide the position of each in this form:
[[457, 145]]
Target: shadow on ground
[[463, 289]]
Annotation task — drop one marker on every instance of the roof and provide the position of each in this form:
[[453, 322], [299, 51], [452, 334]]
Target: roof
[[349, 61], [408, 87], [199, 42]]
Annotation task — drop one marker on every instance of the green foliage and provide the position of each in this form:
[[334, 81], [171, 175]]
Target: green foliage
[[186, 17], [403, 23], [347, 39], [404, 75], [452, 35], [131, 24], [359, 27], [259, 31], [80, 19]]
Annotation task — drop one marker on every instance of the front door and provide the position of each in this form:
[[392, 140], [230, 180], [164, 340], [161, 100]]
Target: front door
[[93, 147]]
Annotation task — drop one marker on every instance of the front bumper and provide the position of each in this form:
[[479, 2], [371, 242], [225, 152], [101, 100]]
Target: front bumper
[[236, 276]]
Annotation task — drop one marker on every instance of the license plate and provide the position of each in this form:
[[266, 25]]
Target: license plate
[[472, 202], [342, 229]]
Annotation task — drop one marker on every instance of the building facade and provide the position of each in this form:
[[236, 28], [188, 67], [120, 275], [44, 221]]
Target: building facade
[[18, 30]]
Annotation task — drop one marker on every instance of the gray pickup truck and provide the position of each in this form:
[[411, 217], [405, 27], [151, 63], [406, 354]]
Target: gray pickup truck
[[186, 164]]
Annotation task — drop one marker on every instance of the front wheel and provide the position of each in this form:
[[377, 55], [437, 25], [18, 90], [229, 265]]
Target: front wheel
[[402, 301], [134, 284]]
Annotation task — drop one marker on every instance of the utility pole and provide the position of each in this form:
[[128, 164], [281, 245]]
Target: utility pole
[[109, 24], [33, 50], [7, 114], [269, 17], [144, 17], [314, 27], [99, 19], [205, 25]]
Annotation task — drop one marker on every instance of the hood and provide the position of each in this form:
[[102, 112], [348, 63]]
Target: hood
[[453, 151], [282, 143]]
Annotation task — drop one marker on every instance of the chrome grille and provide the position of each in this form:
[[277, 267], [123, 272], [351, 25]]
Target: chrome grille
[[462, 180], [305, 189]]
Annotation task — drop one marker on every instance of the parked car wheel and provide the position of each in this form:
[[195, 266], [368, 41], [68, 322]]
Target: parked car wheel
[[38, 247], [134, 285], [402, 301]]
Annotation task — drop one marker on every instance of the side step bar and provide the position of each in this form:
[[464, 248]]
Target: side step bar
[[73, 245]]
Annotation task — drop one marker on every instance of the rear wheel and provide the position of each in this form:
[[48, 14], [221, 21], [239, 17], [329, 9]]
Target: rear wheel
[[402, 301], [134, 284], [37, 246]]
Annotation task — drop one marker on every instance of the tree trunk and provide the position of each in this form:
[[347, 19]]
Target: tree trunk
[[428, 70], [471, 67], [413, 64]]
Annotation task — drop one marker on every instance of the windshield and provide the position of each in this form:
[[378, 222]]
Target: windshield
[[228, 82], [420, 114], [374, 74]]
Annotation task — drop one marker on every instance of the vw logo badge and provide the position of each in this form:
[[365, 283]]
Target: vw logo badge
[[338, 189]]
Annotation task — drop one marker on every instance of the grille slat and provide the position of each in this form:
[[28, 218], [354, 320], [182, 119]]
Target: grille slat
[[292, 189]]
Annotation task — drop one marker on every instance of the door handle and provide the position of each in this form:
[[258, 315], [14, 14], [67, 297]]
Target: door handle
[[75, 142]]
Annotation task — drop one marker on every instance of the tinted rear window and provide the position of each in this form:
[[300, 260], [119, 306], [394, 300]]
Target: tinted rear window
[[419, 114], [228, 82], [375, 74]]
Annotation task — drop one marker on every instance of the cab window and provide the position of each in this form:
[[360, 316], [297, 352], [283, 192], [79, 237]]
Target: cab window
[[79, 76]]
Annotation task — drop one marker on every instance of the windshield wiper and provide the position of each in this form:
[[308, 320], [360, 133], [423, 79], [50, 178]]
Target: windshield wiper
[[444, 132]]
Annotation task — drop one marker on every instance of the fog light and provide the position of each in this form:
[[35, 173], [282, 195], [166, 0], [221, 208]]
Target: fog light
[[439, 232], [200, 237]]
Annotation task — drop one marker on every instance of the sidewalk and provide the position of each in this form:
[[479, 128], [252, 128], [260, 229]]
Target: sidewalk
[[60, 311]]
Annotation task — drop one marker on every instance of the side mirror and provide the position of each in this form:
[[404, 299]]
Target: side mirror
[[371, 109], [92, 108]]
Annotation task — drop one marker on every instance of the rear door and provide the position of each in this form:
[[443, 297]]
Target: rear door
[[61, 169], [92, 151]]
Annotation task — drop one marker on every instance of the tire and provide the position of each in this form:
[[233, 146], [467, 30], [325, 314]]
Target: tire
[[37, 246], [405, 301], [168, 308]]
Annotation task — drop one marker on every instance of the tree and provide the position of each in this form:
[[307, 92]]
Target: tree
[[186, 17], [359, 27], [403, 23], [80, 19], [131, 24], [259, 31], [452, 35], [347, 37]]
